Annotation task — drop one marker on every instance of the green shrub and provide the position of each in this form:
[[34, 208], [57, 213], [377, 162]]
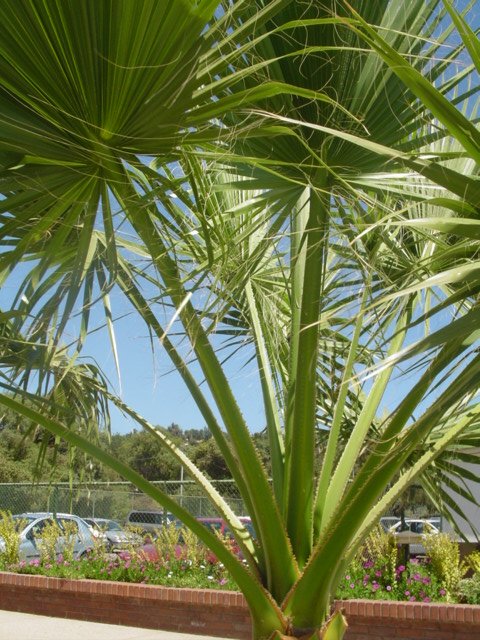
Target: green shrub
[[380, 548], [9, 532], [444, 554], [70, 530], [193, 548], [469, 589], [167, 541], [47, 542], [473, 561]]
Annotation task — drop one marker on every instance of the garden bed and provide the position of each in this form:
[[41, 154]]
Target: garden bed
[[220, 613]]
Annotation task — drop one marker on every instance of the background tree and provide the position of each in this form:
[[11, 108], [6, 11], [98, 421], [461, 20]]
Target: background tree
[[208, 458]]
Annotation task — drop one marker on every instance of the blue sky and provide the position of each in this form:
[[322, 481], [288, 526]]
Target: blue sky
[[149, 385]]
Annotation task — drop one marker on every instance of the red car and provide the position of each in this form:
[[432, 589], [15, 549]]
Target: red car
[[217, 524]]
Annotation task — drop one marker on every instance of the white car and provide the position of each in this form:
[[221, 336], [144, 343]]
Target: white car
[[411, 530], [414, 526]]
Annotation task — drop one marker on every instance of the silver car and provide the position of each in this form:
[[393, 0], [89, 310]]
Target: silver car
[[115, 538], [31, 525]]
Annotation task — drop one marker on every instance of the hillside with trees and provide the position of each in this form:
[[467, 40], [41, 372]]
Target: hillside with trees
[[28, 453]]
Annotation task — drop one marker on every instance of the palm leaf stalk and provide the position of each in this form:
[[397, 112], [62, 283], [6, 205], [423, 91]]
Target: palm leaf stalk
[[297, 181]]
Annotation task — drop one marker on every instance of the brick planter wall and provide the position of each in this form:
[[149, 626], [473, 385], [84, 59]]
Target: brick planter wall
[[195, 611], [370, 620], [221, 613]]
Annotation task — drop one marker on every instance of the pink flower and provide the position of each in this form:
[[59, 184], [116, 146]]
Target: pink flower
[[426, 600], [412, 599], [389, 588], [352, 585], [378, 573], [401, 568]]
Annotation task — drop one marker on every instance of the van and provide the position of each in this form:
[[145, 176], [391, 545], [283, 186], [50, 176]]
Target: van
[[149, 521]]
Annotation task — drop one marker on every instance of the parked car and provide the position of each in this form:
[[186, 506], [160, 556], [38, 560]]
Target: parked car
[[114, 536], [411, 530], [387, 522], [414, 526], [31, 525], [217, 524], [149, 521]]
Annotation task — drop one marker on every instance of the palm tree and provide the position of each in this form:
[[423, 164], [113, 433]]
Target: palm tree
[[325, 177]]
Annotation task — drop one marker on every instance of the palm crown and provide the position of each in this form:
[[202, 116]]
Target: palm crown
[[325, 180]]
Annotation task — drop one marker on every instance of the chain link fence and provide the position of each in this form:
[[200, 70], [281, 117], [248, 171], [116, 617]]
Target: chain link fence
[[112, 500]]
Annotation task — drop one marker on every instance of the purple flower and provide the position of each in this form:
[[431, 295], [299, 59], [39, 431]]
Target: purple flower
[[401, 568], [442, 592], [412, 599], [407, 593], [417, 577], [389, 588], [375, 586], [35, 562], [368, 564], [352, 585], [426, 580], [222, 581], [366, 578], [426, 600], [378, 573]]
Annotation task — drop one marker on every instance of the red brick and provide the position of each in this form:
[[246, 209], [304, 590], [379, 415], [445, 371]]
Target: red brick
[[223, 613]]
